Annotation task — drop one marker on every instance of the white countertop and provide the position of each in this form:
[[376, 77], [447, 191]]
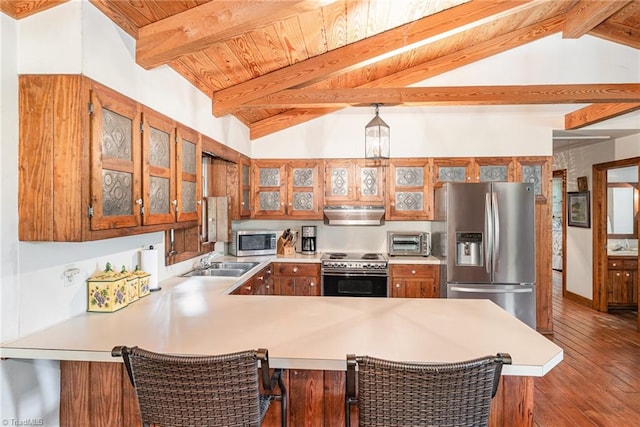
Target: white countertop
[[197, 316]]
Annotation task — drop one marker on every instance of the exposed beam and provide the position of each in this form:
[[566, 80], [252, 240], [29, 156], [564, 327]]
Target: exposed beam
[[350, 56], [197, 28], [453, 95], [18, 9], [585, 15], [628, 36], [422, 71], [597, 113]]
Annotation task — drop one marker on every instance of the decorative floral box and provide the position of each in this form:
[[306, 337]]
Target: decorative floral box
[[143, 282], [132, 285], [107, 291]]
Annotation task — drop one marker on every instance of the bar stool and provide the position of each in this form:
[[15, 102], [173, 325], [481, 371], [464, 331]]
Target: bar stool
[[422, 394], [220, 390]]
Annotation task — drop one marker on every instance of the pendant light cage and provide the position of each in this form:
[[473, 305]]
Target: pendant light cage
[[376, 138]]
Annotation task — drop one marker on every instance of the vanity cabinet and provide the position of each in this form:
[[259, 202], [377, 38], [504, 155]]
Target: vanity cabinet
[[622, 282], [297, 279], [287, 189], [95, 164], [410, 195], [353, 181], [414, 280]]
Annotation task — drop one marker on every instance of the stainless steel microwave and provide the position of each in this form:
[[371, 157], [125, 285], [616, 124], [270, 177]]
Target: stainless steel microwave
[[415, 243], [251, 242]]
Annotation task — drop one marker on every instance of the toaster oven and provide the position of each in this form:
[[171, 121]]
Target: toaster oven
[[408, 243]]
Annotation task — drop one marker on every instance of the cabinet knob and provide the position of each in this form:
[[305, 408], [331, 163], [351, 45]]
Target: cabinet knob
[[261, 278], [199, 202], [268, 271], [248, 288], [413, 272], [174, 202], [614, 264], [627, 274], [139, 202], [290, 204], [618, 274], [295, 269], [397, 285], [312, 284]]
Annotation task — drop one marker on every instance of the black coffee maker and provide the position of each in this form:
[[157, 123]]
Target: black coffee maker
[[309, 239]]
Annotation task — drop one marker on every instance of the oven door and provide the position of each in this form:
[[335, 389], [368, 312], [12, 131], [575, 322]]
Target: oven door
[[354, 285]]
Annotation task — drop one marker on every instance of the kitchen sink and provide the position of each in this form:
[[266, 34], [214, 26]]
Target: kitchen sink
[[223, 269]]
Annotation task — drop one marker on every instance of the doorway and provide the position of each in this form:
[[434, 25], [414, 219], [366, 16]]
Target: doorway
[[558, 226], [606, 232]]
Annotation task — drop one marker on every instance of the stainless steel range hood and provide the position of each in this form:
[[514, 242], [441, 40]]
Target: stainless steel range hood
[[354, 215]]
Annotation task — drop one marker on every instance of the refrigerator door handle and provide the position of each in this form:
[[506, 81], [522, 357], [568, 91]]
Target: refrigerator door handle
[[496, 232], [488, 231], [522, 290]]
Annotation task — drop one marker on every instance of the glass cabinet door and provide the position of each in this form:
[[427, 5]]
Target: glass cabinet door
[[270, 192], [158, 151], [303, 189], [188, 175], [115, 161]]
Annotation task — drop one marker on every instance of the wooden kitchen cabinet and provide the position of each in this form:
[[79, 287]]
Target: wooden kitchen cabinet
[[287, 189], [534, 170], [94, 164], [297, 279], [495, 169], [244, 170], [453, 170], [622, 283], [260, 283], [414, 280], [188, 174], [410, 193], [354, 181]]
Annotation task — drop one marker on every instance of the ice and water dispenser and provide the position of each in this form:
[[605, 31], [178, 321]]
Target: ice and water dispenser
[[469, 249]]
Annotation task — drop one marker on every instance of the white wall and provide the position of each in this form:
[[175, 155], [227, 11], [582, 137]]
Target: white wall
[[72, 38], [474, 130], [578, 162]]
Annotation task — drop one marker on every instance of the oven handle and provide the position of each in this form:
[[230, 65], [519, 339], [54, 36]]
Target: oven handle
[[355, 274]]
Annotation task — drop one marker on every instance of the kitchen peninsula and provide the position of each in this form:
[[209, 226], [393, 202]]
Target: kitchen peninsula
[[307, 336]]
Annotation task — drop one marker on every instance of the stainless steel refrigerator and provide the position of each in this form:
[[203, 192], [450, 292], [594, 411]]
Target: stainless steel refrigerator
[[489, 244]]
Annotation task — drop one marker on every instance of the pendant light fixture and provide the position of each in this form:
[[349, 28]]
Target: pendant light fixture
[[376, 138]]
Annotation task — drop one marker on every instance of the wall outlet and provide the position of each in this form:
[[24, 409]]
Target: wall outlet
[[71, 275]]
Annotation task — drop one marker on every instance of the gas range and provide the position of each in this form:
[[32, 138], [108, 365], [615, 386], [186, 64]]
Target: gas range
[[354, 262]]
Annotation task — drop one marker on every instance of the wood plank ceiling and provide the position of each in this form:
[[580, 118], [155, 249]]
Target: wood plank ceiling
[[277, 63]]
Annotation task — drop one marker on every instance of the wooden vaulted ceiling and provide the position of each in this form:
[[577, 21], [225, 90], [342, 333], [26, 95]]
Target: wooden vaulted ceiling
[[277, 63]]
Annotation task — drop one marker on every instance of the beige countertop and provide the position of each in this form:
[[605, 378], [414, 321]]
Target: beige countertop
[[195, 315]]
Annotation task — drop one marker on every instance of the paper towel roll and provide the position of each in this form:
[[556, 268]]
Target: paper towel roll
[[149, 264]]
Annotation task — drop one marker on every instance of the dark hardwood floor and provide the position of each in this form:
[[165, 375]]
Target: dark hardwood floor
[[598, 382]]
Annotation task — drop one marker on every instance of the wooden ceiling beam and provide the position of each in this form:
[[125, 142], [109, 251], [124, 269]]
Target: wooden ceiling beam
[[617, 33], [421, 72], [453, 95], [585, 15], [597, 113], [18, 9], [350, 56], [197, 28]]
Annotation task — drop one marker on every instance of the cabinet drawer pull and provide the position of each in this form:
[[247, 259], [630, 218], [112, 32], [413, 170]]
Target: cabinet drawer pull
[[295, 269], [261, 278], [413, 272]]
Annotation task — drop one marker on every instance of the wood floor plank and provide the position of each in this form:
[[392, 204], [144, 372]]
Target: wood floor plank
[[598, 382]]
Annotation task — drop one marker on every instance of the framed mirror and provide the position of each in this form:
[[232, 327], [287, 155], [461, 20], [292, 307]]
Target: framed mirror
[[622, 203]]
